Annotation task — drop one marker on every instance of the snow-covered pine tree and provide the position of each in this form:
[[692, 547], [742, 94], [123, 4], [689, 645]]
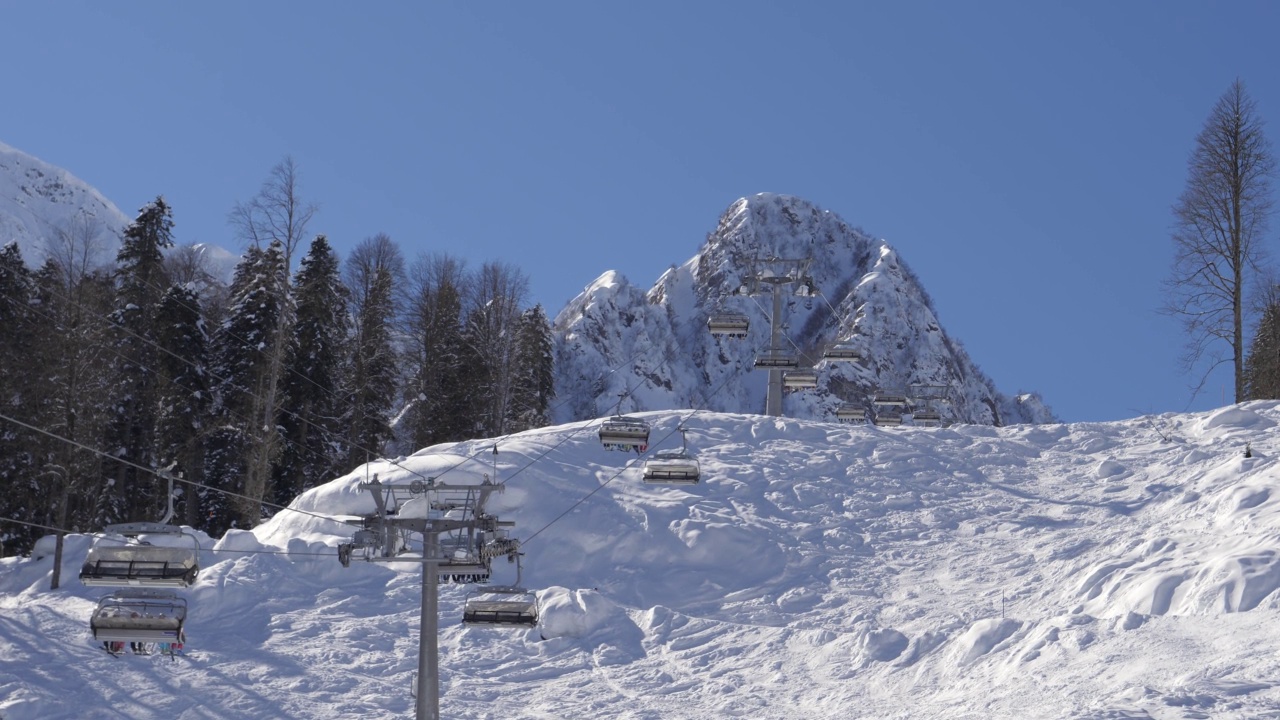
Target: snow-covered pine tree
[[434, 352], [311, 420], [1262, 367], [140, 282], [182, 396], [71, 383], [20, 495], [245, 439], [373, 271], [534, 371]]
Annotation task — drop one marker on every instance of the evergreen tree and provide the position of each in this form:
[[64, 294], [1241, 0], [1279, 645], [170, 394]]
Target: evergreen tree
[[313, 378], [182, 396], [375, 265], [140, 282], [437, 400], [1262, 368], [534, 365], [70, 383], [20, 496], [245, 439]]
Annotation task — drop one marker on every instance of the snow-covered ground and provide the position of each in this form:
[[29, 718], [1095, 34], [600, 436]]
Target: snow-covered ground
[[1102, 570]]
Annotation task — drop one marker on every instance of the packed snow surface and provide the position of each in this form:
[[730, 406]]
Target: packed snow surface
[[1100, 570]]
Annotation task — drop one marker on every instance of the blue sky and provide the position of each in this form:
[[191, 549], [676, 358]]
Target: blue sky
[[1022, 157]]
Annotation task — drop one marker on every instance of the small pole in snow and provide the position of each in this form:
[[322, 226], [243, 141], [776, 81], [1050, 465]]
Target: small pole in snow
[[1002, 604]]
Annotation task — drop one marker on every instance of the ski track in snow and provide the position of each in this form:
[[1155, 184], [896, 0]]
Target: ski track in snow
[[1096, 570]]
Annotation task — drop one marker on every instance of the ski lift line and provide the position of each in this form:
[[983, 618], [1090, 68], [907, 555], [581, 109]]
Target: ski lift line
[[784, 335], [679, 426], [152, 471]]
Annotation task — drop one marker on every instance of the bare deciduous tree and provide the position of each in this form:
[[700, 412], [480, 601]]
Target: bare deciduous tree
[[1218, 224]]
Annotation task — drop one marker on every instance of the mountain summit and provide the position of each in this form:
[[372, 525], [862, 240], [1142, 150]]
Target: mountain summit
[[41, 203], [619, 347]]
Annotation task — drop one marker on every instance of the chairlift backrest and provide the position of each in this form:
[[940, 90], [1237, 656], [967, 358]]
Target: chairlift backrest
[[139, 616], [671, 467], [141, 564], [800, 379], [728, 324], [624, 433], [503, 606], [780, 359]]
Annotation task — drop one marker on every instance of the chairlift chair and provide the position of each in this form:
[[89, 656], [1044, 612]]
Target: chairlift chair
[[770, 360], [624, 433], [888, 419], [671, 467], [142, 564], [850, 413], [507, 605], [890, 399], [800, 379], [729, 325], [841, 352], [927, 418], [139, 616]]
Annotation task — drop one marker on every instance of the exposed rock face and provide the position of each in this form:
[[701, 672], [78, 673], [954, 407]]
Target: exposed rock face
[[654, 346]]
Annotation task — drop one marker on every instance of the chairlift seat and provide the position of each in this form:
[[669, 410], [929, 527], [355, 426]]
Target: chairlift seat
[[888, 419], [729, 325], [851, 413], [841, 353], [139, 566], [927, 418], [139, 616], [800, 379], [891, 399], [624, 433], [671, 467], [775, 360], [501, 606]]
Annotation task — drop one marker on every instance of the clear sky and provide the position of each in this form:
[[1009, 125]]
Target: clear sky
[[1022, 157]]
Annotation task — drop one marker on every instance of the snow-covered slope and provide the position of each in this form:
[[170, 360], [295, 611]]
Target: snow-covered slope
[[39, 203], [1101, 570], [615, 338]]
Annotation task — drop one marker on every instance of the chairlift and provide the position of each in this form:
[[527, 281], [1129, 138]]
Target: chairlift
[[841, 352], [800, 379], [672, 467], [728, 325], [888, 419], [462, 561], [927, 418], [624, 433], [779, 359], [140, 617], [141, 564], [890, 399], [508, 605], [850, 413]]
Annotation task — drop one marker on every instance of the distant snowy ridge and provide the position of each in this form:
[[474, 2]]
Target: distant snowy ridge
[[615, 338], [38, 201]]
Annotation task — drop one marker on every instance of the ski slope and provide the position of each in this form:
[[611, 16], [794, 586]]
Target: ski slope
[[1098, 570]]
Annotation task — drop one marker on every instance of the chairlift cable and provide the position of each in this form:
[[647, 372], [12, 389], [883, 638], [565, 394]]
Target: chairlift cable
[[601, 486], [152, 471]]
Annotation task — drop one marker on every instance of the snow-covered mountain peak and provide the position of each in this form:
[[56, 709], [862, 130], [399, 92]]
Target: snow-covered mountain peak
[[40, 203], [848, 287]]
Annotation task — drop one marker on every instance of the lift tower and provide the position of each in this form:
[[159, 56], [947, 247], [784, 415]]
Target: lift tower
[[459, 539], [773, 273]]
